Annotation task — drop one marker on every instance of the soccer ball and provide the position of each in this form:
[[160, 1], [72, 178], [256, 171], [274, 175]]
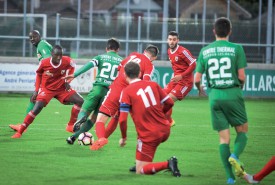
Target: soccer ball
[[85, 138]]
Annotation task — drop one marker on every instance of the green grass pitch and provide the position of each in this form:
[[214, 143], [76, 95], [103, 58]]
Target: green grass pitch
[[42, 157]]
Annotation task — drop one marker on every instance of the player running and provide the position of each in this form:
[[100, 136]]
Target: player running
[[49, 84], [183, 65]]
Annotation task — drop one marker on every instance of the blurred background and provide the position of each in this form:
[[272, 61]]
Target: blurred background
[[83, 26]]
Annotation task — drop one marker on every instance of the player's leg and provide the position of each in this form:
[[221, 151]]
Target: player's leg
[[91, 104], [144, 160], [236, 116], [220, 124], [100, 131], [29, 107], [225, 154], [267, 169], [17, 126], [71, 97], [85, 127], [29, 118], [111, 127], [109, 107]]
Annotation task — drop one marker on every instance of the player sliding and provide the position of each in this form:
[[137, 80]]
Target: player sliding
[[49, 84], [147, 103]]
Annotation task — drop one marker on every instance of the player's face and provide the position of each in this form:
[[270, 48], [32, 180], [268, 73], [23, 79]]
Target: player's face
[[172, 41], [34, 38], [56, 56]]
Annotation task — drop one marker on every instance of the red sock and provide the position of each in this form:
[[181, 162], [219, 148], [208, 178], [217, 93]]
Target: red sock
[[74, 113], [100, 130], [111, 127], [153, 168], [27, 121], [169, 115], [267, 169]]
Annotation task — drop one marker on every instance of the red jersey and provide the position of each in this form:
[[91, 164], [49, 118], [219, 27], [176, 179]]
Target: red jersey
[[181, 59], [48, 75], [145, 100], [146, 69]]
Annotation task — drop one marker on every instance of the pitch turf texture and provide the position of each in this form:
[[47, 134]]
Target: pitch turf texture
[[42, 156]]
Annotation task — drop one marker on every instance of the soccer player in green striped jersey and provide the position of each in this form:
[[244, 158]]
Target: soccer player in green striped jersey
[[107, 65], [43, 50], [224, 64]]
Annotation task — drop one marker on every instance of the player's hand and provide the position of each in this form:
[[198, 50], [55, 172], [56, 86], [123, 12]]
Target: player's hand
[[33, 97], [202, 91], [68, 77], [122, 142], [176, 78], [67, 86]]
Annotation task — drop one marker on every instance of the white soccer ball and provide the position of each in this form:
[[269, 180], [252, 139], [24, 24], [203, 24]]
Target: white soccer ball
[[85, 138]]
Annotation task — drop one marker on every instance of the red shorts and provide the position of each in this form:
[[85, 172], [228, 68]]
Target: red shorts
[[146, 150], [62, 96], [110, 105], [180, 90]]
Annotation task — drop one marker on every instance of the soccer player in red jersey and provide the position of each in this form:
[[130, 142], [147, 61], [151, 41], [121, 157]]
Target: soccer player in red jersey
[[183, 65], [147, 103], [110, 106], [49, 84], [267, 169]]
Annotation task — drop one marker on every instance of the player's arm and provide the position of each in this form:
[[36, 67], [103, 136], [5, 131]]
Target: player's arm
[[241, 76], [197, 82], [69, 72], [165, 100], [124, 110], [83, 69], [45, 51], [191, 61], [149, 69], [241, 65], [198, 76], [38, 80]]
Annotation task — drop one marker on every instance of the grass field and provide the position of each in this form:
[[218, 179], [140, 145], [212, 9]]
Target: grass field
[[42, 156]]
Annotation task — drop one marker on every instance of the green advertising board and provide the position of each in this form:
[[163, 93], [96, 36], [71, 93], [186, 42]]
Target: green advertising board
[[259, 82]]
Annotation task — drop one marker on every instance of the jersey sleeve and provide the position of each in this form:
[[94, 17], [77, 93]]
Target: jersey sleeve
[[241, 62], [199, 66], [72, 67], [148, 71], [44, 50], [187, 56], [85, 68], [38, 77]]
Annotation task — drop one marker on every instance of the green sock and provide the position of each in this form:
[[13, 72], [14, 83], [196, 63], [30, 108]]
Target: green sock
[[81, 114], [225, 154], [240, 143], [30, 107], [84, 128]]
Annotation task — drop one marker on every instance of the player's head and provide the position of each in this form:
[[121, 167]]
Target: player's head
[[173, 39], [34, 37], [152, 51], [132, 70], [57, 54], [113, 44], [222, 27]]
